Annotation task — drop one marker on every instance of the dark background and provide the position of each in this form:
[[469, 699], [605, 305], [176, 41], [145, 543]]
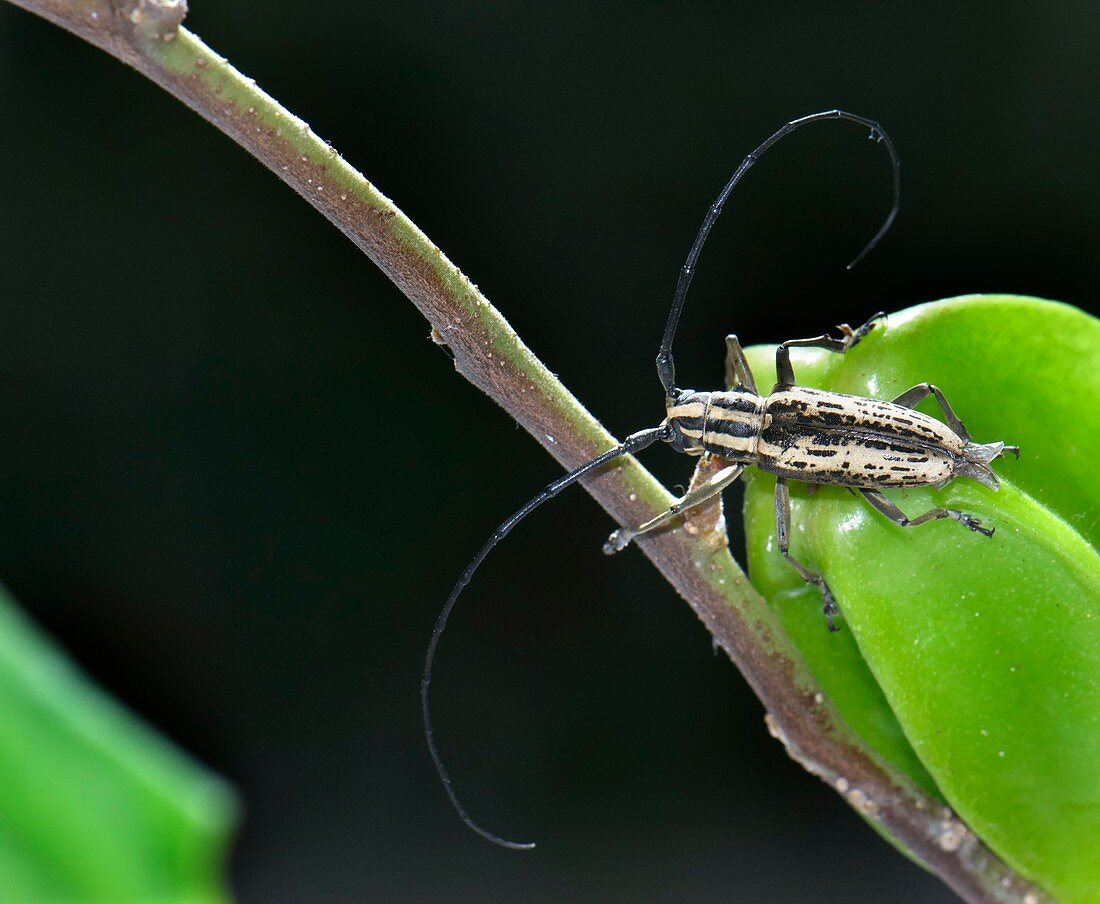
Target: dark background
[[213, 492]]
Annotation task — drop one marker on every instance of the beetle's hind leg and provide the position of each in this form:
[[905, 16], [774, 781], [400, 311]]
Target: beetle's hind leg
[[891, 511], [913, 397], [784, 373], [783, 534]]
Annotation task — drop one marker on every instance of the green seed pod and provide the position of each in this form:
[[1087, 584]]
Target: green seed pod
[[972, 664]]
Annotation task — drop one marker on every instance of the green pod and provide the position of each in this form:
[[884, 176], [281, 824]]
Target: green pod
[[971, 664]]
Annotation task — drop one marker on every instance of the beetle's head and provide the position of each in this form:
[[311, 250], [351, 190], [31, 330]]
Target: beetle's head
[[685, 411]]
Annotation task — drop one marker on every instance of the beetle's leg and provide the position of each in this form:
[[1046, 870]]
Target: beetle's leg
[[737, 367], [621, 538], [783, 534], [899, 517], [784, 373], [913, 397]]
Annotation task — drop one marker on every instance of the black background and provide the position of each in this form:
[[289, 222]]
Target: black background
[[216, 491]]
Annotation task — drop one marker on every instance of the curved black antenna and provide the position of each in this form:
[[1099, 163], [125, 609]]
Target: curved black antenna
[[633, 443], [666, 370]]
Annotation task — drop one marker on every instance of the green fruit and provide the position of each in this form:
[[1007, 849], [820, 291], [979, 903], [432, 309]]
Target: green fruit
[[971, 664]]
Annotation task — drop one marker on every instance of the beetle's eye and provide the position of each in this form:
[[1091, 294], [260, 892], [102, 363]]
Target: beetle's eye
[[677, 438]]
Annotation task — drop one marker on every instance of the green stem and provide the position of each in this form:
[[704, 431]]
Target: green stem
[[147, 35]]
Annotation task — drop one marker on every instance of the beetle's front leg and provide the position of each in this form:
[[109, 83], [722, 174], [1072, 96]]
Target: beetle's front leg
[[620, 539], [783, 534], [784, 373]]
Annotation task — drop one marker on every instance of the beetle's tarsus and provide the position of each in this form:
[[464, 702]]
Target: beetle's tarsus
[[617, 542], [829, 607], [973, 523], [853, 337]]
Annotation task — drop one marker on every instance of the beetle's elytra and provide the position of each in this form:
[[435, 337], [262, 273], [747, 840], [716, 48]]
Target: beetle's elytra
[[799, 433], [794, 432]]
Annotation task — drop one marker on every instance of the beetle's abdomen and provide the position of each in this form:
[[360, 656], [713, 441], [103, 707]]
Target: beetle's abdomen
[[829, 438]]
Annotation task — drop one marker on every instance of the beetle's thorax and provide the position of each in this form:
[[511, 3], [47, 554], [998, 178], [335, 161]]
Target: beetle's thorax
[[720, 423]]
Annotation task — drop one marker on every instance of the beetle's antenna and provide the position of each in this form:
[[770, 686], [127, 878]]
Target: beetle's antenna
[[666, 370], [634, 443]]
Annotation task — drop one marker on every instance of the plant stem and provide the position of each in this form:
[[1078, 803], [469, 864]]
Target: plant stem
[[147, 35]]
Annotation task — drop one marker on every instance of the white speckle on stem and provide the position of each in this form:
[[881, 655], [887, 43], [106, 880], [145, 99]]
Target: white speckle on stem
[[952, 835], [862, 802]]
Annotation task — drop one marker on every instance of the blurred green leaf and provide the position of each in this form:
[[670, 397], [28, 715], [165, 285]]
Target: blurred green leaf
[[94, 806], [972, 664]]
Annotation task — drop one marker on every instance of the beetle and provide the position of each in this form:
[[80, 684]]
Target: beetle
[[823, 438], [794, 432]]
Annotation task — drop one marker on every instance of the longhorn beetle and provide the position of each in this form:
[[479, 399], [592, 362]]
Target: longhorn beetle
[[794, 433]]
